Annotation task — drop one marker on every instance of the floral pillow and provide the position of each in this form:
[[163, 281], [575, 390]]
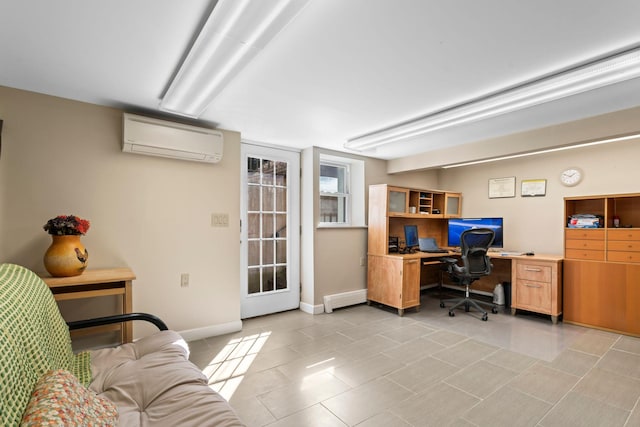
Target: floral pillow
[[60, 399]]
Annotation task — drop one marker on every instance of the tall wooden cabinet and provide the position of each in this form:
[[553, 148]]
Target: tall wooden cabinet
[[393, 279], [602, 265]]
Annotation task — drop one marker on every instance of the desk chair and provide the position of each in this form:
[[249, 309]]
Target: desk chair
[[475, 264]]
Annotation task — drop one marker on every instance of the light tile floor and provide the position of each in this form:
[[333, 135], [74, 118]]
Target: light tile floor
[[366, 366]]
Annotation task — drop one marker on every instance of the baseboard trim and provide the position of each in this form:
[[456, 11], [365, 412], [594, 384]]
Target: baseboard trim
[[344, 299], [311, 309], [211, 331]]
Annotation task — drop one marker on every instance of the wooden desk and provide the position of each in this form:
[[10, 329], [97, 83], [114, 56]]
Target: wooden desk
[[97, 283], [536, 281]]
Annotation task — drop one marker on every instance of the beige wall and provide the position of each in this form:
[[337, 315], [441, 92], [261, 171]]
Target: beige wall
[[537, 223], [331, 261], [148, 213]]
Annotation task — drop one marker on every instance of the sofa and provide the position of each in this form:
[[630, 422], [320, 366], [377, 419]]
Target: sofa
[[149, 382]]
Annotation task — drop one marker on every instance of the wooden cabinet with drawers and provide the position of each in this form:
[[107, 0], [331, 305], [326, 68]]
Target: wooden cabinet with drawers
[[584, 243], [602, 266], [537, 285], [623, 245]]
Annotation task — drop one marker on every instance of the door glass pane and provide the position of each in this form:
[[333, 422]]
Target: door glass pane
[[267, 252], [281, 225], [253, 281], [253, 201], [267, 226], [253, 170], [254, 252], [281, 174], [253, 225], [268, 199], [281, 199], [281, 251], [267, 279], [281, 277], [268, 172]]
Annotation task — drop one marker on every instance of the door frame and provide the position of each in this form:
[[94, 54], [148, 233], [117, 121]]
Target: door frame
[[277, 300]]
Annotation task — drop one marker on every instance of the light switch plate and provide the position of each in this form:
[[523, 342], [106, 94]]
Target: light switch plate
[[219, 220]]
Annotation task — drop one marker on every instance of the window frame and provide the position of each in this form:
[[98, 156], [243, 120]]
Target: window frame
[[346, 195], [354, 184]]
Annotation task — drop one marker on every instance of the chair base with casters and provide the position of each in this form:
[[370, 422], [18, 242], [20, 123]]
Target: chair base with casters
[[467, 303]]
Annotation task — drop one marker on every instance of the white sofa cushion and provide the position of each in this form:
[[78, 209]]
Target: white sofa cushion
[[153, 383]]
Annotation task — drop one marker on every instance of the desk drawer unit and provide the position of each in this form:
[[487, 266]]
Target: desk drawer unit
[[586, 244], [537, 287], [623, 246]]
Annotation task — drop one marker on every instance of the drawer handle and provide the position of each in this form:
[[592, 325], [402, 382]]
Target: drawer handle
[[412, 261], [529, 285], [533, 269]]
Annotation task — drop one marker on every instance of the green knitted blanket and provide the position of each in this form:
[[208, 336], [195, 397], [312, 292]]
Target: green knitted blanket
[[33, 339]]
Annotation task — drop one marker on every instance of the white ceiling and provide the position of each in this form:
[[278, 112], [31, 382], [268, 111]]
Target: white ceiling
[[340, 69]]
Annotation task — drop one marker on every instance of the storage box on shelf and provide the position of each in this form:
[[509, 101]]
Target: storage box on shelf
[[393, 279], [602, 265]]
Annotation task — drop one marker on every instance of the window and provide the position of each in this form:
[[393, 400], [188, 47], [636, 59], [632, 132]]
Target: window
[[341, 188], [334, 192]]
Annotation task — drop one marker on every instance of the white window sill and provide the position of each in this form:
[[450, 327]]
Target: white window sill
[[336, 225]]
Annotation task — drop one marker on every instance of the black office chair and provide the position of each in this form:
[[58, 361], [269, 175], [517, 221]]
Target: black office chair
[[475, 264]]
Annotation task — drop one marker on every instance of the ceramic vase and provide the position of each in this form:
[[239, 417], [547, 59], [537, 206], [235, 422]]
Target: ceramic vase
[[66, 256]]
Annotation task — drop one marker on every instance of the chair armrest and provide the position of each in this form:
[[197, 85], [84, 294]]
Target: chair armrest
[[117, 318], [449, 260]]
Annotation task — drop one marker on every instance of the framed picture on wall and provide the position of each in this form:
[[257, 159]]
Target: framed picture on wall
[[502, 187], [533, 188]]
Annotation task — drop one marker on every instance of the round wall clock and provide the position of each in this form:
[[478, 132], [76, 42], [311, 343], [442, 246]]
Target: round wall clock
[[571, 177]]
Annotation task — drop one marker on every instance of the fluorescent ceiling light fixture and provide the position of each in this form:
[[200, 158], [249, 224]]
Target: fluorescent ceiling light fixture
[[596, 74], [548, 150], [235, 32]]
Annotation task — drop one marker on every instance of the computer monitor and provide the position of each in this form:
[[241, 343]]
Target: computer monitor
[[411, 236], [457, 225]]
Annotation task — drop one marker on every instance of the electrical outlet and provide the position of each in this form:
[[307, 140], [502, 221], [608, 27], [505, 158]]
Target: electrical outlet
[[362, 261], [184, 280]]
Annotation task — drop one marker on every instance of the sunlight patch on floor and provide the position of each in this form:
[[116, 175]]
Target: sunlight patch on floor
[[227, 369]]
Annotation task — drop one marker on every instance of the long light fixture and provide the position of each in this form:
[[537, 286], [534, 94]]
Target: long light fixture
[[548, 150], [596, 74], [233, 35]]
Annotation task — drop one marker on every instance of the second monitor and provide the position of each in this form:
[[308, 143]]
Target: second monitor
[[411, 237], [457, 225]]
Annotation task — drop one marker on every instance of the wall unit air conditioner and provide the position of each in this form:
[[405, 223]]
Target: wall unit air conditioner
[[154, 137]]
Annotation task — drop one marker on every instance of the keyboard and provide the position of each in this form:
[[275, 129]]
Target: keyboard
[[436, 251]]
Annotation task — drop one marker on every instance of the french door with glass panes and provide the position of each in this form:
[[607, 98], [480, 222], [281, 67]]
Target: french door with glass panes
[[270, 232]]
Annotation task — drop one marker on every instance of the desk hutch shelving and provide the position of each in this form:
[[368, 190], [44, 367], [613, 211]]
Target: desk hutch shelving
[[394, 279]]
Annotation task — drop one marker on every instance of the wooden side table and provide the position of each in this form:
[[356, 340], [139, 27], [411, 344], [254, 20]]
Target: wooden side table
[[98, 283]]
